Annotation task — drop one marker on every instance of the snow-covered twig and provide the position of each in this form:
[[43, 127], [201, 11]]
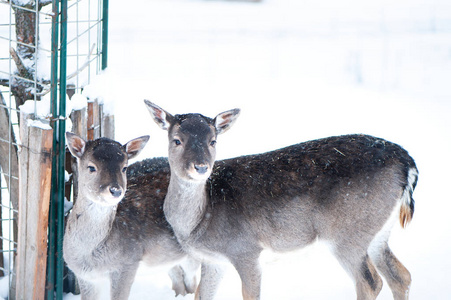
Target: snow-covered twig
[[4, 82], [23, 71]]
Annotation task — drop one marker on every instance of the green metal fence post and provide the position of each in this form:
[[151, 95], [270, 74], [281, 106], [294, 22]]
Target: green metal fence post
[[55, 264], [105, 35], [61, 154], [53, 97]]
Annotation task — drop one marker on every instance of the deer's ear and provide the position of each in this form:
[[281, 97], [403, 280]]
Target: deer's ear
[[75, 144], [134, 147], [159, 115], [225, 120]]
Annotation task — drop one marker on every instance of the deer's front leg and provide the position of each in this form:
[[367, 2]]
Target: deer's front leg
[[88, 290], [122, 280], [250, 274], [211, 276]]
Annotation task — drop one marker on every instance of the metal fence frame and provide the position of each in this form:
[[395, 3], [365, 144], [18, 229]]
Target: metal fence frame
[[89, 37]]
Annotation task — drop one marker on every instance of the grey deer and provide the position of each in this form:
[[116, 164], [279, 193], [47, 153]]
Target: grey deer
[[112, 228], [346, 190]]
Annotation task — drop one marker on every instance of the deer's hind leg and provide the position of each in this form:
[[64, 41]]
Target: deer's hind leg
[[397, 276], [360, 267]]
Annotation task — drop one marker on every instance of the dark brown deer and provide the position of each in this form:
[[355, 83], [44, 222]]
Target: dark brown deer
[[112, 228], [347, 191]]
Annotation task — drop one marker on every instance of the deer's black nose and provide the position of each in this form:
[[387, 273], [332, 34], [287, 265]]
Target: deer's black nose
[[201, 169], [115, 190]]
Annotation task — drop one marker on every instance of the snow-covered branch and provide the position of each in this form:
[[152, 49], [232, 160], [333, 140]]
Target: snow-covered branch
[[29, 3], [4, 82], [23, 71]]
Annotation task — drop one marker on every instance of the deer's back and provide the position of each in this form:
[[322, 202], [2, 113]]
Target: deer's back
[[310, 167], [308, 189]]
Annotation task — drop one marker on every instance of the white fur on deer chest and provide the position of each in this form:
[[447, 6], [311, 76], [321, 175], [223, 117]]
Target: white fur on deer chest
[[84, 241]]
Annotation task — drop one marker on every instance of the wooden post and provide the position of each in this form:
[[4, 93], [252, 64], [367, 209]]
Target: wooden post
[[8, 157], [79, 122], [35, 159], [2, 264], [93, 120], [80, 128], [10, 167], [106, 124]]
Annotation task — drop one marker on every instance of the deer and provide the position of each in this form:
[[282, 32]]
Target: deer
[[347, 191], [113, 227]]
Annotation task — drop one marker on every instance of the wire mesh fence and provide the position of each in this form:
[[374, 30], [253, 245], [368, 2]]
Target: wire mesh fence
[[49, 50]]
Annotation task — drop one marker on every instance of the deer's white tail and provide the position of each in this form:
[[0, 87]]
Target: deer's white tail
[[407, 202]]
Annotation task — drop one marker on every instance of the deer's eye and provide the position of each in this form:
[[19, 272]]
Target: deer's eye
[[91, 169], [124, 169], [177, 142], [213, 143]]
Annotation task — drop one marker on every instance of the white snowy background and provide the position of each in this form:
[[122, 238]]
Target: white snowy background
[[299, 70]]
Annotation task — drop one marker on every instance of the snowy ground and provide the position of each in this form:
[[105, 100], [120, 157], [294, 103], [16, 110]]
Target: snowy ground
[[299, 70]]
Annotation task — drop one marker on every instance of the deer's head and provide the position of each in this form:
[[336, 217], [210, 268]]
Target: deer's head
[[102, 166], [192, 140]]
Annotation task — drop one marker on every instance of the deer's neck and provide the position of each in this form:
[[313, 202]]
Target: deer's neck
[[185, 205], [89, 223]]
